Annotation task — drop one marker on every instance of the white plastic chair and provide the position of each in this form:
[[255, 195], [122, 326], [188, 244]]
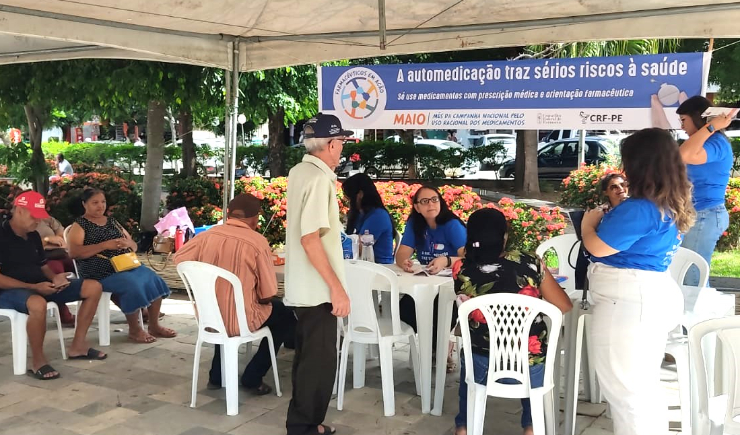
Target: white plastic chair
[[509, 318], [200, 282], [566, 247], [365, 327], [677, 345], [19, 335], [718, 414], [103, 311]]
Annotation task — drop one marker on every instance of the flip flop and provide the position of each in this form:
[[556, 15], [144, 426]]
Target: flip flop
[[42, 372], [327, 430], [159, 334], [92, 355]]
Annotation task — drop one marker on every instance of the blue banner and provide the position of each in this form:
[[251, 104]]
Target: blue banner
[[627, 92]]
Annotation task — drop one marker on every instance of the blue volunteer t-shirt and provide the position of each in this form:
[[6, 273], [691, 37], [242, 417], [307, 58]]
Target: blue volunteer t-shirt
[[644, 239], [710, 179], [443, 241], [378, 223]]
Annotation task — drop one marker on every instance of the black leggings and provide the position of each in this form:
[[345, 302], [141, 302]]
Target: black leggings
[[407, 312]]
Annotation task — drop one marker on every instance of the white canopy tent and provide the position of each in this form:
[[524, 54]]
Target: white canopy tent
[[240, 35]]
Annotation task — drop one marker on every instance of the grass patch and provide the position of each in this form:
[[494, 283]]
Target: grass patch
[[726, 264]]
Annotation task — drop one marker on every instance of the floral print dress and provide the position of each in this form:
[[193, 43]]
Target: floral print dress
[[515, 272]]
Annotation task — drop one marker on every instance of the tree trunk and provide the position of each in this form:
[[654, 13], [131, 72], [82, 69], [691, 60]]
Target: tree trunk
[[36, 118], [526, 173], [188, 147], [4, 138], [152, 194], [276, 127], [407, 136]]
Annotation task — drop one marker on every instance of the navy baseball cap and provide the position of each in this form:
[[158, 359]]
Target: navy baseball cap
[[325, 126]]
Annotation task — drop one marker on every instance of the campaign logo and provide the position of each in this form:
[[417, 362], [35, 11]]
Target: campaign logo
[[601, 118], [359, 96], [549, 119]]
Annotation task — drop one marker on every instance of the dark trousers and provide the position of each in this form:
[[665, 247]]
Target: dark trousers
[[281, 322], [407, 313], [314, 367]]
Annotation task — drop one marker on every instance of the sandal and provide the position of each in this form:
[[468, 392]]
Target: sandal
[[163, 332], [41, 373], [91, 355], [327, 430]]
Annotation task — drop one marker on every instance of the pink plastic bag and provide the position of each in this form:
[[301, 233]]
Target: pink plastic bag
[[178, 217]]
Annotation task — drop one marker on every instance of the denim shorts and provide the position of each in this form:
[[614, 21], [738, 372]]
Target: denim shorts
[[16, 298]]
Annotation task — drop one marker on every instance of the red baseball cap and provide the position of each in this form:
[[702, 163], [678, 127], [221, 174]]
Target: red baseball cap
[[33, 202]]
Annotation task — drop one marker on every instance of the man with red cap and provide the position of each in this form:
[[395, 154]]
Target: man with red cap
[[238, 248], [27, 284]]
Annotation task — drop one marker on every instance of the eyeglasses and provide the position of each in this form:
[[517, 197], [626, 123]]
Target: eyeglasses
[[426, 201]]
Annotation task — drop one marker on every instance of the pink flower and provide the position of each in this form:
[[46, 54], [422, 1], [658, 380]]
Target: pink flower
[[530, 291], [535, 347]]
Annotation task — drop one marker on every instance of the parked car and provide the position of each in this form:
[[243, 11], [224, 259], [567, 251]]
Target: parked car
[[507, 140], [557, 159], [555, 135]]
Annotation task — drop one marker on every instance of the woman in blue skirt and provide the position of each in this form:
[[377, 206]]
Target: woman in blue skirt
[[95, 238]]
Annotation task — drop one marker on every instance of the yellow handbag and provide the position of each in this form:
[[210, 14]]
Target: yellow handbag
[[123, 262]]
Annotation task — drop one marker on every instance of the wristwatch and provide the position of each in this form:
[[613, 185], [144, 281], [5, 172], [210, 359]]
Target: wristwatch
[[449, 261], [710, 128]]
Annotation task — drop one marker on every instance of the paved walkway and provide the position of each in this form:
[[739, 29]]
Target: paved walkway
[[145, 390]]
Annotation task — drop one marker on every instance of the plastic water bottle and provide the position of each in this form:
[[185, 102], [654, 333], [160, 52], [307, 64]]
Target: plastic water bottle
[[355, 246], [367, 240]]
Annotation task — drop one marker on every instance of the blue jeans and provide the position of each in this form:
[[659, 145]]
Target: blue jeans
[[480, 369], [703, 236]]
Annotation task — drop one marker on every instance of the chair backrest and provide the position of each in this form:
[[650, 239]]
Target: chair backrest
[[362, 278], [683, 260], [509, 318], [566, 247], [728, 332], [66, 241], [200, 282]]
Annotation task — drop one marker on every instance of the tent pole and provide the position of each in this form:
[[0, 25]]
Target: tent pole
[[582, 148], [227, 125], [381, 23], [234, 114]]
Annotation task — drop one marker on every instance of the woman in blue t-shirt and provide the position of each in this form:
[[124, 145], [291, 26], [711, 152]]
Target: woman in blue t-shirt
[[636, 302], [368, 213], [708, 157], [438, 237]]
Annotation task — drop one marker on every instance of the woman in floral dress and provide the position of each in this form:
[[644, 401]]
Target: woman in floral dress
[[487, 268]]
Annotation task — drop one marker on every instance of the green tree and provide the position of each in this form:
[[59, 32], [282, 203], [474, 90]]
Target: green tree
[[723, 70], [278, 95]]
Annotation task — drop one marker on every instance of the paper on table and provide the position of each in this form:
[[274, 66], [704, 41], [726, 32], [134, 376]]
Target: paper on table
[[443, 272]]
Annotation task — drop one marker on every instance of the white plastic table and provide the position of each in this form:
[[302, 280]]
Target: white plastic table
[[424, 289]]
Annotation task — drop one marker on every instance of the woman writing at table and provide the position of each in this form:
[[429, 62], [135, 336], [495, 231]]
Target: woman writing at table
[[636, 302], [368, 213], [437, 236]]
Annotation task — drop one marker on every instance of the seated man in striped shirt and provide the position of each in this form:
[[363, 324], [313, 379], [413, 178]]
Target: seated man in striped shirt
[[238, 248]]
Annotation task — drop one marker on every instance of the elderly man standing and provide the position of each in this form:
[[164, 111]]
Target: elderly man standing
[[314, 273], [238, 248]]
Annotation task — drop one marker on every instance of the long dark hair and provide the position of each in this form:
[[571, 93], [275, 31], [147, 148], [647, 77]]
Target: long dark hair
[[653, 165], [371, 199], [420, 224], [76, 207], [693, 108], [487, 230]]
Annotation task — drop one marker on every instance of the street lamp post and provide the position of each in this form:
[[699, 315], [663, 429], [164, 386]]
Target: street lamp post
[[242, 119]]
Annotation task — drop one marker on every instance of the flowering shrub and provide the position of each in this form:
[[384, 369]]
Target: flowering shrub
[[124, 201], [582, 187], [206, 215], [193, 192], [85, 167], [731, 237], [8, 192], [529, 226]]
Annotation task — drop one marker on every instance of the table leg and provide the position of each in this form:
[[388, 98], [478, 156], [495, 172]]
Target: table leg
[[424, 301], [445, 303]]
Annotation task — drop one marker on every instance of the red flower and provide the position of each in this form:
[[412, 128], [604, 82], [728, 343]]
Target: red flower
[[535, 347], [477, 316], [530, 291], [354, 158], [456, 268]]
